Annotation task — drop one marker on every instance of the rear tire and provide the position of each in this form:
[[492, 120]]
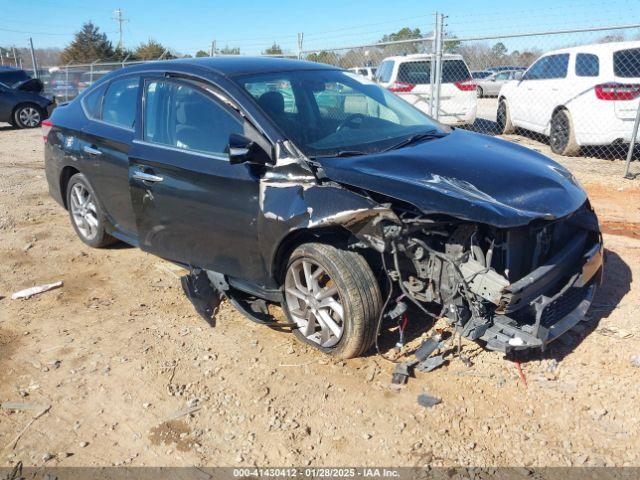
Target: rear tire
[[479, 92], [357, 296], [27, 116], [503, 119], [562, 137], [86, 214]]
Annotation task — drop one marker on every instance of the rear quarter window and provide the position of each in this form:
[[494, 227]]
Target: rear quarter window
[[92, 102], [384, 71], [587, 65], [626, 63]]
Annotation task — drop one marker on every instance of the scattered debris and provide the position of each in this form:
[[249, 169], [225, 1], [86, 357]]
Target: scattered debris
[[14, 442], [47, 456], [24, 406], [635, 361], [185, 411], [84, 444], [521, 374], [430, 363], [401, 373], [614, 332], [30, 292], [428, 401]]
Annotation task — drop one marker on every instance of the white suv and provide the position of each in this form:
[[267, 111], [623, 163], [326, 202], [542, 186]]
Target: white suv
[[576, 96], [369, 72], [410, 77]]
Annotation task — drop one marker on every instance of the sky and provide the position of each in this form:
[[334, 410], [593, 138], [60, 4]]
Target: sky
[[190, 25]]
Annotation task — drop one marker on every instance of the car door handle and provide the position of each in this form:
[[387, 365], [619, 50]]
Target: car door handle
[[147, 177], [92, 151]]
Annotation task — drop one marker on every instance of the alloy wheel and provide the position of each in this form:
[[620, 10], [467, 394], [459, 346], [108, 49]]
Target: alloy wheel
[[29, 117], [314, 303], [84, 211]]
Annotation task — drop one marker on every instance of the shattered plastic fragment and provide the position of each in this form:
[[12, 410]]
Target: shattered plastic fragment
[[430, 363], [30, 292], [428, 401]]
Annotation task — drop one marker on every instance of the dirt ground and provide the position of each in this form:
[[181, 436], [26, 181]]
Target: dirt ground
[[119, 354]]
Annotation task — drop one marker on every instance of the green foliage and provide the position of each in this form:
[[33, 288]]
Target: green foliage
[[499, 50], [403, 34], [201, 53], [88, 46], [151, 50], [273, 50], [227, 50]]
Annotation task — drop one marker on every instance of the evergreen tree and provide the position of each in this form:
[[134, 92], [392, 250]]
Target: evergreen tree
[[88, 46]]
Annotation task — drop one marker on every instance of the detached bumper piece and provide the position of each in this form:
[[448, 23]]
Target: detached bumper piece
[[531, 319]]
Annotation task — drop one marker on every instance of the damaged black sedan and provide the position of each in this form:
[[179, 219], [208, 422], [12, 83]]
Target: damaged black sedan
[[282, 182]]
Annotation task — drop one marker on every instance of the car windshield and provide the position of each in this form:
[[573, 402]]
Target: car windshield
[[333, 112]]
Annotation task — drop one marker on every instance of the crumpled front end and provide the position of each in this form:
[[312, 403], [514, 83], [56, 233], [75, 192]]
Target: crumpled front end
[[514, 288]]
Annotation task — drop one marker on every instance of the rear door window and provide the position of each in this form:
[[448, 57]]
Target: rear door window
[[455, 71], [626, 63], [119, 104], [549, 67], [587, 65]]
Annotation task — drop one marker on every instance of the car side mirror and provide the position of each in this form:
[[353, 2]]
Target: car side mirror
[[243, 150]]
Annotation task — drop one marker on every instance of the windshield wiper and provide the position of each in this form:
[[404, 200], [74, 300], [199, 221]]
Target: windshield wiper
[[342, 153], [428, 135]]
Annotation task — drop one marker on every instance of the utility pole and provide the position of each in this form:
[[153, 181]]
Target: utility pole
[[212, 51], [120, 19], [15, 56], [34, 63], [300, 39]]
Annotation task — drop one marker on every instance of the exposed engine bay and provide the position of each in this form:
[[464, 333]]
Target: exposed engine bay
[[514, 288]]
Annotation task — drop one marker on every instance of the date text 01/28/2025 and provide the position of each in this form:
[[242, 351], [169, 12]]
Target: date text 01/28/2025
[[316, 472]]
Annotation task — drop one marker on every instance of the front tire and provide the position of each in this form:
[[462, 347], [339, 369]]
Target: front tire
[[27, 116], [503, 119], [334, 298], [87, 217], [562, 137], [479, 92]]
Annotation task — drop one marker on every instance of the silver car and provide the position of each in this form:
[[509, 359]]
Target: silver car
[[490, 86]]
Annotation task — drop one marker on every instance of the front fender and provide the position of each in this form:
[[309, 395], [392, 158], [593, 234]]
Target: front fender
[[290, 206]]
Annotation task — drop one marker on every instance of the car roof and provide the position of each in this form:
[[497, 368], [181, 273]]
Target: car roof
[[5, 68], [233, 65], [597, 48], [423, 56]]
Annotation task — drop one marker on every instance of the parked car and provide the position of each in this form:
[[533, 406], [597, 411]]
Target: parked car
[[342, 217], [491, 85], [64, 84], [410, 78], [23, 105], [11, 76], [586, 95], [369, 72], [88, 78], [479, 74]]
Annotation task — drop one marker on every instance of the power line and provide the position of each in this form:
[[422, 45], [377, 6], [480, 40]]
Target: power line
[[120, 19]]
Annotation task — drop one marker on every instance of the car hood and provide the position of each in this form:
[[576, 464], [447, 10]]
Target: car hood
[[468, 176], [31, 85]]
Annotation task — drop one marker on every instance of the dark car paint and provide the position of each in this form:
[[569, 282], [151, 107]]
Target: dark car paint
[[195, 217], [28, 91], [468, 176]]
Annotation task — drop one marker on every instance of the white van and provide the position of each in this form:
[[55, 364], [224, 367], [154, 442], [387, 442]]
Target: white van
[[409, 77], [577, 96]]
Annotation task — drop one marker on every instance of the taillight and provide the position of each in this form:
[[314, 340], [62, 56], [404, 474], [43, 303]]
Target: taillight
[[617, 91], [400, 87], [46, 128], [466, 85]]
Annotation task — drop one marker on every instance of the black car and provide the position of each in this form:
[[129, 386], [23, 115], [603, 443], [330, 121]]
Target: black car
[[348, 214], [22, 103]]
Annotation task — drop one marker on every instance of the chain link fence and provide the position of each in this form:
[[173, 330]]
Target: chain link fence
[[572, 94]]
